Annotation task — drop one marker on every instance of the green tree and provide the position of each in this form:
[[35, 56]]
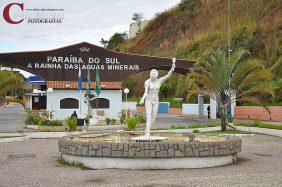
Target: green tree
[[9, 81], [242, 78], [114, 41], [138, 18]]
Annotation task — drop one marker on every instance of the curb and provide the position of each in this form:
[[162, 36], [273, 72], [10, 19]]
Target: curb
[[237, 135], [270, 132], [15, 139]]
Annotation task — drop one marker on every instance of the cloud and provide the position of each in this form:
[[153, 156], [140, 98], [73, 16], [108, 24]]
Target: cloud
[[87, 20]]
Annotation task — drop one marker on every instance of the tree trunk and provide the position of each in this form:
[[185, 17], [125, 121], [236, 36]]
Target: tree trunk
[[223, 122], [223, 111]]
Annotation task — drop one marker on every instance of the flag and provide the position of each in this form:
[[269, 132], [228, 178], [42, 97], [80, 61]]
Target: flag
[[97, 83], [79, 81], [88, 79]]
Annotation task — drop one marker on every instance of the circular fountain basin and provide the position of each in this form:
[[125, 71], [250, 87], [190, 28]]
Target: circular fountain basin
[[101, 151]]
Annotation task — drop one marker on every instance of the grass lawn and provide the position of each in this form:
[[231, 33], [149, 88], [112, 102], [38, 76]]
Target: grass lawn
[[259, 124], [225, 132], [196, 125], [9, 137], [61, 161]]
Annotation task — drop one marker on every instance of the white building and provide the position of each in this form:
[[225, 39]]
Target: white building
[[65, 99]]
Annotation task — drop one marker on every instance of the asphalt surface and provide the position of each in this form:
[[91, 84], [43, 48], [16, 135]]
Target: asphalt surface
[[33, 163], [166, 121], [12, 118]]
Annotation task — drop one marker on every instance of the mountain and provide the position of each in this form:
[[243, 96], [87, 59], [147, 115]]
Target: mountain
[[192, 27]]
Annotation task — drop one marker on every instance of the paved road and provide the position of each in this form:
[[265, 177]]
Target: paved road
[[32, 163], [12, 118], [166, 120]]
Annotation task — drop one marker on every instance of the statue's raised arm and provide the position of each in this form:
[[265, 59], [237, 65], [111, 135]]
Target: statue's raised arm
[[168, 75]]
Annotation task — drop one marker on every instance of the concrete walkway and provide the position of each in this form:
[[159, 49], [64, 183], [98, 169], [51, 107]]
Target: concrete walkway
[[12, 118], [33, 163], [166, 120]]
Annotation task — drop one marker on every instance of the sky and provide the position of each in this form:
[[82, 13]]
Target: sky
[[84, 20]]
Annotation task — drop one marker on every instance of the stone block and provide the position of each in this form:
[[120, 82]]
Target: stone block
[[117, 154], [125, 147], [131, 152], [178, 153], [188, 151], [84, 151], [147, 153], [120, 147], [152, 153], [140, 154], [161, 154], [107, 152], [92, 153], [114, 146], [99, 152], [170, 152], [94, 145], [181, 147], [196, 152], [204, 153], [152, 146]]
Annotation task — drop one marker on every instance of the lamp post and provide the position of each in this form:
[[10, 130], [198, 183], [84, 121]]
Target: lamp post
[[50, 91], [126, 91]]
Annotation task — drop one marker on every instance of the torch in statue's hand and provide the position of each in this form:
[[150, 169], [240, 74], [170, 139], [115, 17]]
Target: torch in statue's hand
[[173, 63]]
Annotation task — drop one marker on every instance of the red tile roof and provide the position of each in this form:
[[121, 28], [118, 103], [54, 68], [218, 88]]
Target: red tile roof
[[72, 85]]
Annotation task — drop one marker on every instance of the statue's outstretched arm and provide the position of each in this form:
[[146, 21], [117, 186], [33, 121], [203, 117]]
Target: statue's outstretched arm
[[167, 76], [145, 93]]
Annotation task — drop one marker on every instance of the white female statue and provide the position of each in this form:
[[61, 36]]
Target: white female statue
[[152, 88]]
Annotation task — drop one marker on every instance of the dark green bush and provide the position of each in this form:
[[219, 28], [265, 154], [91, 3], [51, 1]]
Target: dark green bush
[[113, 121], [122, 116], [108, 121], [141, 117], [51, 123], [72, 123], [33, 119], [132, 122]]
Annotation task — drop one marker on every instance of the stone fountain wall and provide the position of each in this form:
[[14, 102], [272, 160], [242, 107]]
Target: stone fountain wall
[[138, 150]]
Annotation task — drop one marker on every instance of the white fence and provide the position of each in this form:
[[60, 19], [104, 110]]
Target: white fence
[[193, 109], [129, 106]]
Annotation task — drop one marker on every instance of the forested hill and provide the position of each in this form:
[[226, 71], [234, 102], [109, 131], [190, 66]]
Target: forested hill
[[191, 28]]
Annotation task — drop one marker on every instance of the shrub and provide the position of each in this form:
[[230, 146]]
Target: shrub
[[132, 122], [256, 123], [108, 121], [51, 123], [113, 121], [196, 131], [72, 123], [141, 117], [122, 116], [33, 119]]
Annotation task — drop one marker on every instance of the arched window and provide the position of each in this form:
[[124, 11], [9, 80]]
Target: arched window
[[100, 103], [69, 103]]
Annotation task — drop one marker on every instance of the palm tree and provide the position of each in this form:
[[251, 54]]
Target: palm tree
[[9, 81], [239, 79]]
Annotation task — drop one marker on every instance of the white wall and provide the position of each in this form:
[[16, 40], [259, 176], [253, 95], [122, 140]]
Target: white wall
[[129, 105], [53, 103], [193, 109]]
